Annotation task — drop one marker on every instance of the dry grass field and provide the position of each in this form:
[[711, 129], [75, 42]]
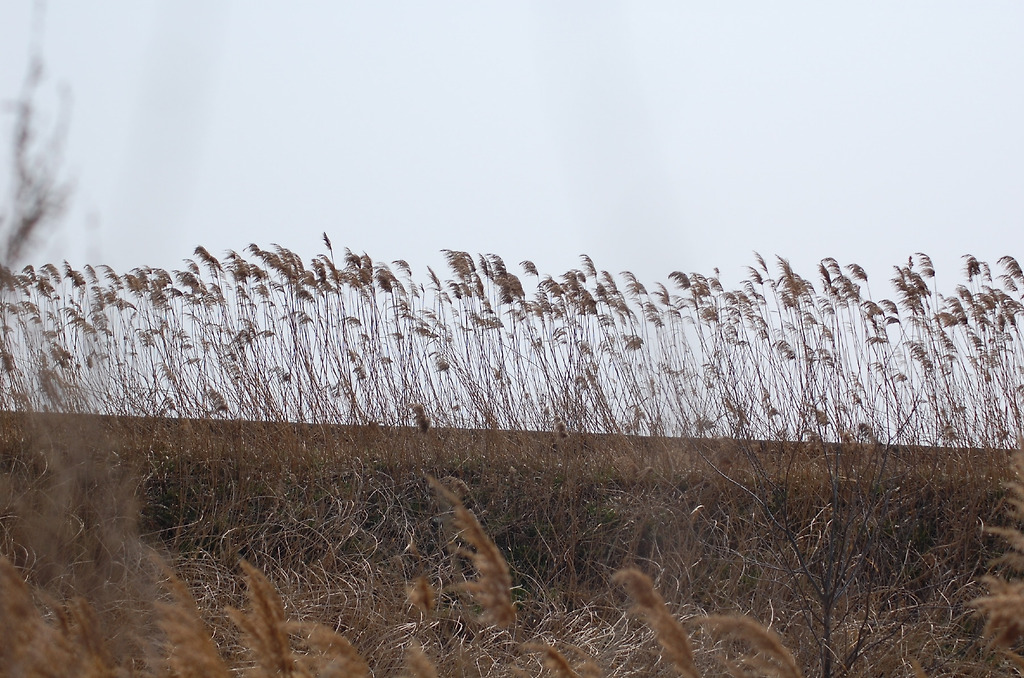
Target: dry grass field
[[195, 547], [283, 467]]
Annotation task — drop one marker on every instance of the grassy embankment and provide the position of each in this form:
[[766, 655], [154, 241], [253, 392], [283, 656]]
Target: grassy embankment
[[861, 546], [342, 521]]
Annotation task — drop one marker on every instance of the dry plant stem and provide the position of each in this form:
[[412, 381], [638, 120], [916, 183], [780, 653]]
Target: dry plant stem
[[190, 650], [674, 640], [266, 627], [1003, 607], [418, 664], [339, 658], [31, 647], [771, 656], [493, 586]]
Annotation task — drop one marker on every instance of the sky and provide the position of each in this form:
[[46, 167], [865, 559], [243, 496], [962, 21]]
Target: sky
[[652, 136]]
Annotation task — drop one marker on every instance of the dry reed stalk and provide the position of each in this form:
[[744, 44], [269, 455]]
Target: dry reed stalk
[[1003, 608], [771, 656], [266, 628], [191, 652], [671, 636], [339, 658], [559, 665], [31, 647], [493, 586], [418, 664], [421, 595]]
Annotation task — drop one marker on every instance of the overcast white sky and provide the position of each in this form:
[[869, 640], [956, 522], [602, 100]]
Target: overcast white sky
[[653, 136]]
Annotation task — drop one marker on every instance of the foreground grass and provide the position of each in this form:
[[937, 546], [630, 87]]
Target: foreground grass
[[343, 526]]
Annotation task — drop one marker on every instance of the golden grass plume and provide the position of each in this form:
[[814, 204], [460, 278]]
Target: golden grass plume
[[770, 656], [190, 650], [1003, 607], [671, 635], [493, 586], [266, 627], [339, 658], [557, 663], [267, 633], [418, 664], [421, 595], [72, 645]]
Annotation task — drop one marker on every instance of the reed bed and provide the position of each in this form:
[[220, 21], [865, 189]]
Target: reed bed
[[272, 337]]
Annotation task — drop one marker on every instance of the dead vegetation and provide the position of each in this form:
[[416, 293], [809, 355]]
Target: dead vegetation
[[271, 634]]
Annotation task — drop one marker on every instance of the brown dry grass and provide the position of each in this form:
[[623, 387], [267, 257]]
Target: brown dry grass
[[67, 640], [332, 513]]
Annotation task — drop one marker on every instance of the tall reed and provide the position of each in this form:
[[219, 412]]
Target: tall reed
[[274, 337]]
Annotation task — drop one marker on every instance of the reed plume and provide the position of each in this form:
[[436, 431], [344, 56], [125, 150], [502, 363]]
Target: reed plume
[[557, 663], [266, 628], [1003, 607], [29, 646], [421, 595], [338, 657], [493, 585], [190, 650], [770, 656], [674, 640], [418, 664], [421, 418]]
